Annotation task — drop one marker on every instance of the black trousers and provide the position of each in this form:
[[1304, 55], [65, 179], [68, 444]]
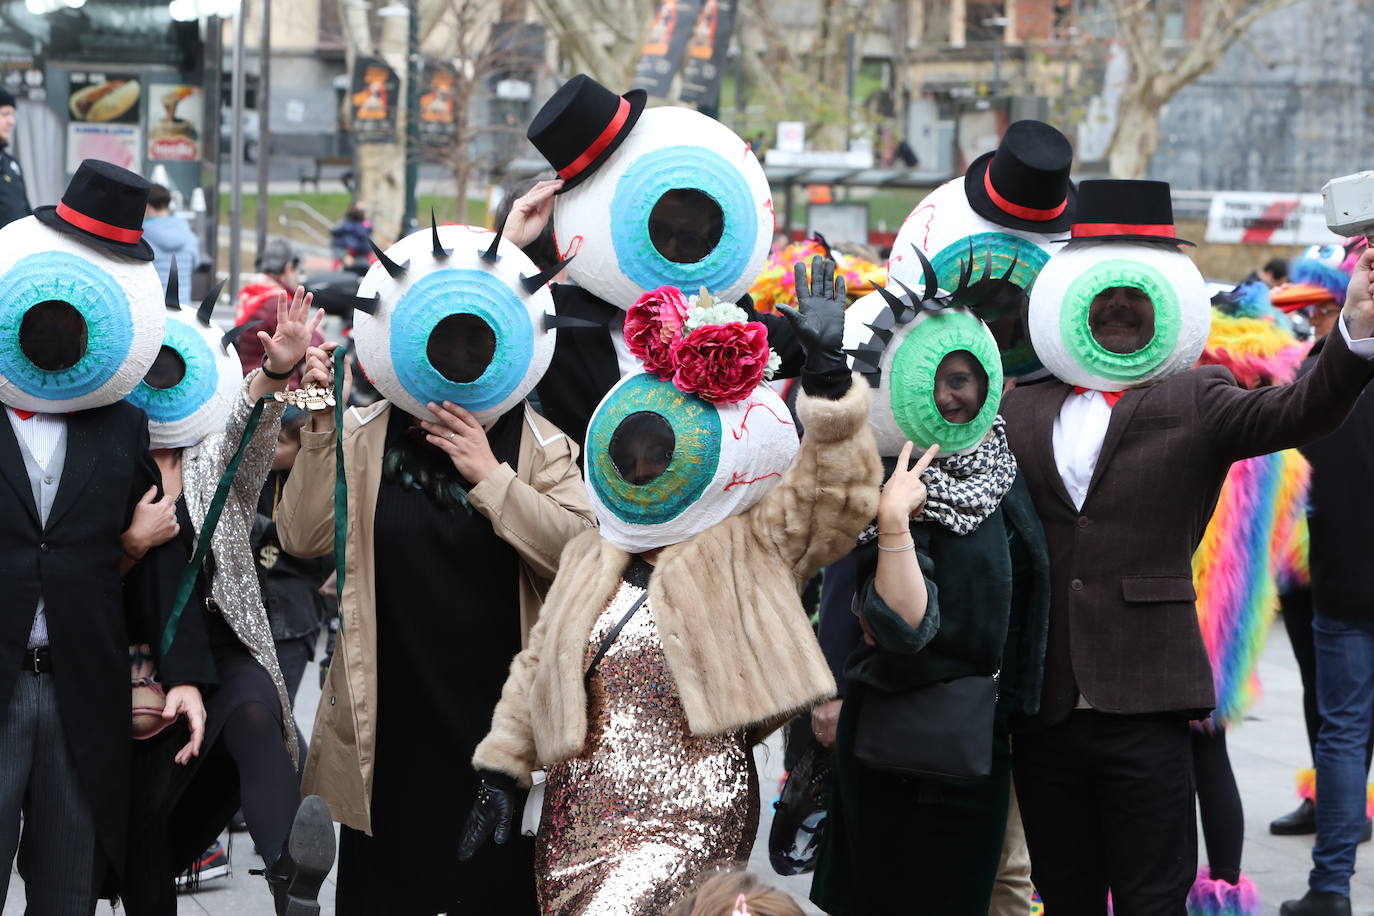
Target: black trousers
[[1107, 803]]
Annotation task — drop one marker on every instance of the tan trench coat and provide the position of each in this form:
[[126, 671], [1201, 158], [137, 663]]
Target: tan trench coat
[[537, 512]]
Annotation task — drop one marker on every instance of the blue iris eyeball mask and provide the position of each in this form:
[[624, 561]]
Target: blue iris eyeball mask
[[662, 466], [682, 202], [92, 320], [1061, 306], [189, 392], [454, 319], [899, 349], [955, 240]]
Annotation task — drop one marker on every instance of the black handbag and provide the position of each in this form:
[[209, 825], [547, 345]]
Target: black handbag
[[936, 731]]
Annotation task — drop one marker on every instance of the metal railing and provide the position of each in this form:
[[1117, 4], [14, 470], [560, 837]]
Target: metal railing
[[299, 217]]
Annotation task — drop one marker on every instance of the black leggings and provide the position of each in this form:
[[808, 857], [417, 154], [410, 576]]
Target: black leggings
[[1223, 820], [268, 788]]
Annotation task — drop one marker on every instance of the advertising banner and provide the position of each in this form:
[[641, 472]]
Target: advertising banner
[[663, 49], [1262, 218], [706, 53], [438, 105], [375, 97], [174, 123]]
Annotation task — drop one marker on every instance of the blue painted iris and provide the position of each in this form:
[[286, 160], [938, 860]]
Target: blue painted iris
[[197, 386], [56, 276]]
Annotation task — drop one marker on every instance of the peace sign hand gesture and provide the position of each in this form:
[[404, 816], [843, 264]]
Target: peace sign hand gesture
[[904, 494]]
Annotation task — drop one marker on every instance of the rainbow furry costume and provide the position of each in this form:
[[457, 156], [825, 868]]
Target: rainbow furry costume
[[777, 283], [1255, 543]]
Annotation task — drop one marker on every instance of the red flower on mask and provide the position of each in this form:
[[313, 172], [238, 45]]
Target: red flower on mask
[[652, 326], [722, 363]]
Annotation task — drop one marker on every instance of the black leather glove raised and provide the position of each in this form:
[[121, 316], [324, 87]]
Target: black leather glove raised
[[819, 328]]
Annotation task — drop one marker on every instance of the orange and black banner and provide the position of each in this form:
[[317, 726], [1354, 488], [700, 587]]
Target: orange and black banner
[[376, 94], [706, 52], [663, 49]]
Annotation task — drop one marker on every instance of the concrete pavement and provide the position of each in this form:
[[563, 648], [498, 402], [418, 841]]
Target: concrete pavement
[[1265, 752]]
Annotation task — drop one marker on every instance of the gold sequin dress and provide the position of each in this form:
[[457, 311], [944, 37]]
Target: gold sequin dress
[[630, 825]]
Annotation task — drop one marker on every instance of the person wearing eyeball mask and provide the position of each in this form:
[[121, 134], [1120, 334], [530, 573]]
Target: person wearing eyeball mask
[[952, 586], [1125, 447], [643, 199]]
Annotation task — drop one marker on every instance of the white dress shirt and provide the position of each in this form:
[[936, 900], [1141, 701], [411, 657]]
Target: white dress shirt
[[1081, 427], [40, 433]]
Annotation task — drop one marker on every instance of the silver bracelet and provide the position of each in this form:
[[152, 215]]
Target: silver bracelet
[[902, 549]]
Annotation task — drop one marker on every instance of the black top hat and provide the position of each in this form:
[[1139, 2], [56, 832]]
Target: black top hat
[[1125, 210], [581, 125], [1024, 183], [103, 206]]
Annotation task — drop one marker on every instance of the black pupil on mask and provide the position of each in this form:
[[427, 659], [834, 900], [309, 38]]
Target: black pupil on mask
[[685, 225], [642, 447], [168, 370], [53, 335], [461, 347]]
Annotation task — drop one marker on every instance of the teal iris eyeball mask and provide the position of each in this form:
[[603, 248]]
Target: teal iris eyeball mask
[[461, 323], [189, 392], [1114, 315], [663, 466], [682, 202], [955, 239], [938, 374], [78, 327]]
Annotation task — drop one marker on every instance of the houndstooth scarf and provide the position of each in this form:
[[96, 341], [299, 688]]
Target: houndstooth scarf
[[963, 490]]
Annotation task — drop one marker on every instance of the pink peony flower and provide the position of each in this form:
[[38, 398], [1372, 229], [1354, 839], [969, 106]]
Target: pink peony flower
[[652, 325], [722, 363]]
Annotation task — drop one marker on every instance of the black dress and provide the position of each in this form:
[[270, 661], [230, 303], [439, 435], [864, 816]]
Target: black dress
[[180, 810], [448, 625]]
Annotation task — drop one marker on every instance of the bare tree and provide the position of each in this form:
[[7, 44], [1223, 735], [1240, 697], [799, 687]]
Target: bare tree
[[602, 38], [1159, 71], [483, 47]]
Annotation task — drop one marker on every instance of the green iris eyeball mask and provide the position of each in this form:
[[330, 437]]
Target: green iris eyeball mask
[[1061, 308], [79, 328], [902, 351]]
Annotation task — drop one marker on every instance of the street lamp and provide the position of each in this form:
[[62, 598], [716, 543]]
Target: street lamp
[[999, 23]]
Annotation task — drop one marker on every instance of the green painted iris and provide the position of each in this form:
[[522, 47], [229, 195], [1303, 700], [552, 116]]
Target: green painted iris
[[696, 452], [912, 380], [1077, 334]]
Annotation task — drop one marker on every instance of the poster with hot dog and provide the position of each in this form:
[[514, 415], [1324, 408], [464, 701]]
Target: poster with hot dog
[[104, 98]]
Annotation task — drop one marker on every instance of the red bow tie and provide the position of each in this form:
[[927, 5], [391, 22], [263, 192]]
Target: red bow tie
[[1111, 397], [23, 414]]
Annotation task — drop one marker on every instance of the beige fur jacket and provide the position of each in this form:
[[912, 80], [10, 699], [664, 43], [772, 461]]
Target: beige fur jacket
[[725, 602]]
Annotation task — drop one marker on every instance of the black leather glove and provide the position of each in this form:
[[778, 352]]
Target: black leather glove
[[492, 814], [819, 327]]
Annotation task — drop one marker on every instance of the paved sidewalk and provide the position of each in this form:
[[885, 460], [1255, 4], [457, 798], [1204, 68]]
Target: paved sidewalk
[[1265, 752]]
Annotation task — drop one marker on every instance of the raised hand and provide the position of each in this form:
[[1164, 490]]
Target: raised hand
[[904, 494], [295, 329], [492, 815], [319, 372], [819, 327], [462, 438], [1359, 298], [530, 213]]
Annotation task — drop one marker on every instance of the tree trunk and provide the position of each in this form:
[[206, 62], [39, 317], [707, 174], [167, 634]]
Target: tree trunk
[[1137, 134]]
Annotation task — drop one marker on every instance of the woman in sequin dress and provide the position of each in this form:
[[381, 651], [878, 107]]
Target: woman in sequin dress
[[248, 757], [667, 650]]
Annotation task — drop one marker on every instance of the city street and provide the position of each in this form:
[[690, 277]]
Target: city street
[[1265, 752]]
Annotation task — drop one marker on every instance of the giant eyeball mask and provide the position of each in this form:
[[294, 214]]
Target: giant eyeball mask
[[1114, 315], [681, 202], [189, 391], [663, 466], [934, 365], [956, 241], [455, 313], [78, 326]]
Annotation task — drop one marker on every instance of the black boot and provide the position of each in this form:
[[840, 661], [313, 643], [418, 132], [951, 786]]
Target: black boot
[[1317, 903], [295, 878], [1298, 822]]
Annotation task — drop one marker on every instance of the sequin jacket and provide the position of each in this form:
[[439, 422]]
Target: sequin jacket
[[236, 579], [726, 603]]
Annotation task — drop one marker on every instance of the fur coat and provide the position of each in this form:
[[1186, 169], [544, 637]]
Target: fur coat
[[726, 603]]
